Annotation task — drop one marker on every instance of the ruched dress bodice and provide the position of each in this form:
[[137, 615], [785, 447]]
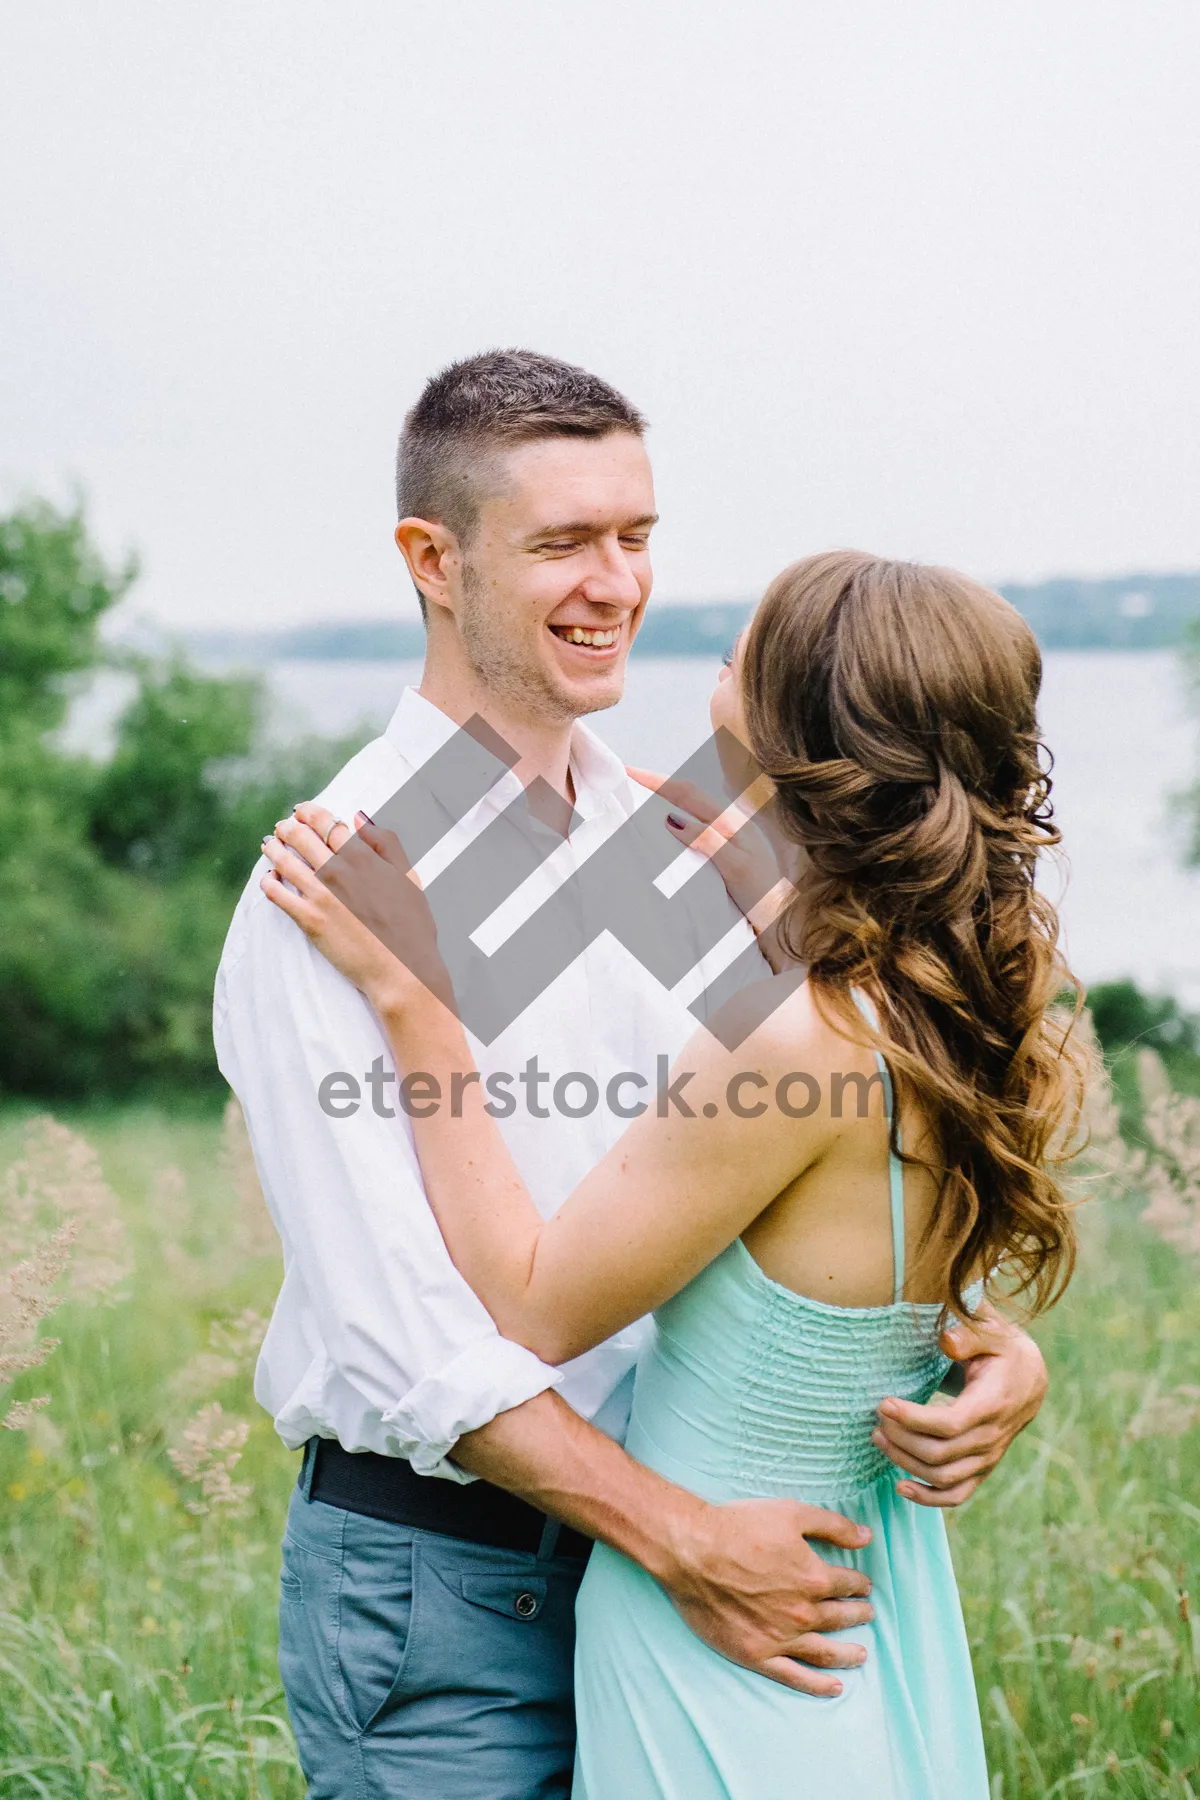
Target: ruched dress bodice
[[750, 1388]]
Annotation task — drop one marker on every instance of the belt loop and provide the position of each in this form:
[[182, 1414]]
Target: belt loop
[[308, 1467], [549, 1543]]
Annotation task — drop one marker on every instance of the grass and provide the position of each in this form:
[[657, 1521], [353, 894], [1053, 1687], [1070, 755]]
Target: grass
[[137, 1638]]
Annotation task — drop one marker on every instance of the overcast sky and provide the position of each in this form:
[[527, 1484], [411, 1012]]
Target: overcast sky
[[919, 277]]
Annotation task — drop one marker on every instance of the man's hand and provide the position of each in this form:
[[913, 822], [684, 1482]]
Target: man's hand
[[952, 1446], [744, 1576], [747, 1581]]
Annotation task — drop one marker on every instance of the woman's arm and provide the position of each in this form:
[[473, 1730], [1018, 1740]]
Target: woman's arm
[[686, 1178], [664, 1201]]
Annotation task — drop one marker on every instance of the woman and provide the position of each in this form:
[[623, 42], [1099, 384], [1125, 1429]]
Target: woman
[[799, 1252]]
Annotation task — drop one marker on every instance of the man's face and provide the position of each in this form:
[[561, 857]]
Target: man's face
[[561, 551]]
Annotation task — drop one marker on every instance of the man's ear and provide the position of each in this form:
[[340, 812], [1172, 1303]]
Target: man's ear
[[434, 560]]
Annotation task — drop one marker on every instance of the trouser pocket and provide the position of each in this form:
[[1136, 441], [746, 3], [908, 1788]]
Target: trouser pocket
[[345, 1619], [421, 1665]]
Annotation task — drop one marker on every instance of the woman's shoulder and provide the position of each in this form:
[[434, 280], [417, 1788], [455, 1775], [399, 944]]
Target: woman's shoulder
[[777, 1026]]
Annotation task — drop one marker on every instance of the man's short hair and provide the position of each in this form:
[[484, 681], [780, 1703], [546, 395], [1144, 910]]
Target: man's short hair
[[482, 406]]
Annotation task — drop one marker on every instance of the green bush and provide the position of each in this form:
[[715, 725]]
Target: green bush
[[117, 880], [1127, 1021]]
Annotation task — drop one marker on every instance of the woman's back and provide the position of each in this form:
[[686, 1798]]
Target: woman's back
[[843, 1228], [753, 1387]]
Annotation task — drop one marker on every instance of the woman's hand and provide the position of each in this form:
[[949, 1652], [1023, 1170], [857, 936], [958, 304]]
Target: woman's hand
[[355, 897], [740, 850]]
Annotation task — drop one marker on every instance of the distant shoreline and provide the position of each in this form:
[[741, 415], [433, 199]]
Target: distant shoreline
[[1133, 612]]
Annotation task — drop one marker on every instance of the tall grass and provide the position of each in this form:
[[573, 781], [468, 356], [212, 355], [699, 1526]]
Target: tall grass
[[138, 1589], [137, 1636]]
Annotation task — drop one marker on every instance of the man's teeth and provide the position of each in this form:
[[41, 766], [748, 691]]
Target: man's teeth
[[575, 634]]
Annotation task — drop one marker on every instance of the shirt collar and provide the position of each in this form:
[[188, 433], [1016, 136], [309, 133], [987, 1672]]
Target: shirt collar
[[418, 728]]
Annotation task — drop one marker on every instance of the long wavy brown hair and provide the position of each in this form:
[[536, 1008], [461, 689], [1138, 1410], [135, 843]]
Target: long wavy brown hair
[[895, 707]]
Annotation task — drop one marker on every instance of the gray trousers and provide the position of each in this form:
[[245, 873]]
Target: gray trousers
[[421, 1667]]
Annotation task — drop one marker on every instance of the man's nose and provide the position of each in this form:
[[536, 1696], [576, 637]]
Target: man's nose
[[613, 582]]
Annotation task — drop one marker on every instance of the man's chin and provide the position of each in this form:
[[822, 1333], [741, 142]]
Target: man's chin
[[546, 693], [582, 697], [600, 702]]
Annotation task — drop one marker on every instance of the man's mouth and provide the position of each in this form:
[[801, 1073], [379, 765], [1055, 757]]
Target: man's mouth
[[580, 634]]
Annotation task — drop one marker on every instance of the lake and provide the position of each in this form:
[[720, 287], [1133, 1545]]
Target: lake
[[1116, 721]]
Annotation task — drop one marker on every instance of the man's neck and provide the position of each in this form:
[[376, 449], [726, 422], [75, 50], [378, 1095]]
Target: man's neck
[[543, 748]]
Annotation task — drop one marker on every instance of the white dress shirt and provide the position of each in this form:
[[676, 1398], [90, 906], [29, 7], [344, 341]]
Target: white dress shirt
[[376, 1339]]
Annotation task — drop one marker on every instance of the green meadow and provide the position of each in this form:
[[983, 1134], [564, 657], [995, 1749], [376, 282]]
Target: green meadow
[[139, 1546]]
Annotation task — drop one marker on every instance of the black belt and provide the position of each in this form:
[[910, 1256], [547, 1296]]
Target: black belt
[[385, 1487]]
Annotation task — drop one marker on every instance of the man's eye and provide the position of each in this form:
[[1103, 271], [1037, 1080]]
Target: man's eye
[[635, 543], [565, 545]]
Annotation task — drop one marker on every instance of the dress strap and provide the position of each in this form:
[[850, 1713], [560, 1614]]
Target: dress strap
[[895, 1166]]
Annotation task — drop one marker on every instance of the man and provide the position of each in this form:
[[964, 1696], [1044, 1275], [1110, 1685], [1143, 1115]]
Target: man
[[451, 1481]]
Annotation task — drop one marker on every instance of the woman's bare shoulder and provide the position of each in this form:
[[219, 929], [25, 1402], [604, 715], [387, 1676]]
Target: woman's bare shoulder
[[776, 1026]]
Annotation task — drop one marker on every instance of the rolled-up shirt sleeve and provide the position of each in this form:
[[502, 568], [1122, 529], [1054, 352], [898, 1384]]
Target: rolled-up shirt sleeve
[[376, 1338]]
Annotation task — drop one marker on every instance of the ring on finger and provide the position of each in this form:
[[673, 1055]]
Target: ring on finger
[[333, 825]]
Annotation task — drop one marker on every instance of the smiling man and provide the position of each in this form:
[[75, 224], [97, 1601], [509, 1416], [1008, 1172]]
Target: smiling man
[[452, 1483], [526, 503]]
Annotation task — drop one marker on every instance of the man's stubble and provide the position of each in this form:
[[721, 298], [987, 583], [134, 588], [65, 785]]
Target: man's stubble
[[507, 665]]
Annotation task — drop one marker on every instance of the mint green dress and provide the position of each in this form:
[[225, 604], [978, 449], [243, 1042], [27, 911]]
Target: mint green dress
[[752, 1389]]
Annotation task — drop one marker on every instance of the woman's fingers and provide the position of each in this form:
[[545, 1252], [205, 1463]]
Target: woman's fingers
[[303, 841], [384, 843], [289, 865], [332, 831], [685, 828], [696, 818], [299, 899], [279, 894], [709, 840], [684, 794]]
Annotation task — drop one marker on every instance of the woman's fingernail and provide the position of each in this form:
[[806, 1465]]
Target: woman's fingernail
[[676, 823], [360, 814]]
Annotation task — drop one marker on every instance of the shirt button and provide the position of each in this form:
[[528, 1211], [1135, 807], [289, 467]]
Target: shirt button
[[525, 1606]]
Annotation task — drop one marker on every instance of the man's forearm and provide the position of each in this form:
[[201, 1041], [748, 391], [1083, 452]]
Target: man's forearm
[[547, 1454]]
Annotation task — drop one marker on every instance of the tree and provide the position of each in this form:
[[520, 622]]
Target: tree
[[117, 880], [54, 590]]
